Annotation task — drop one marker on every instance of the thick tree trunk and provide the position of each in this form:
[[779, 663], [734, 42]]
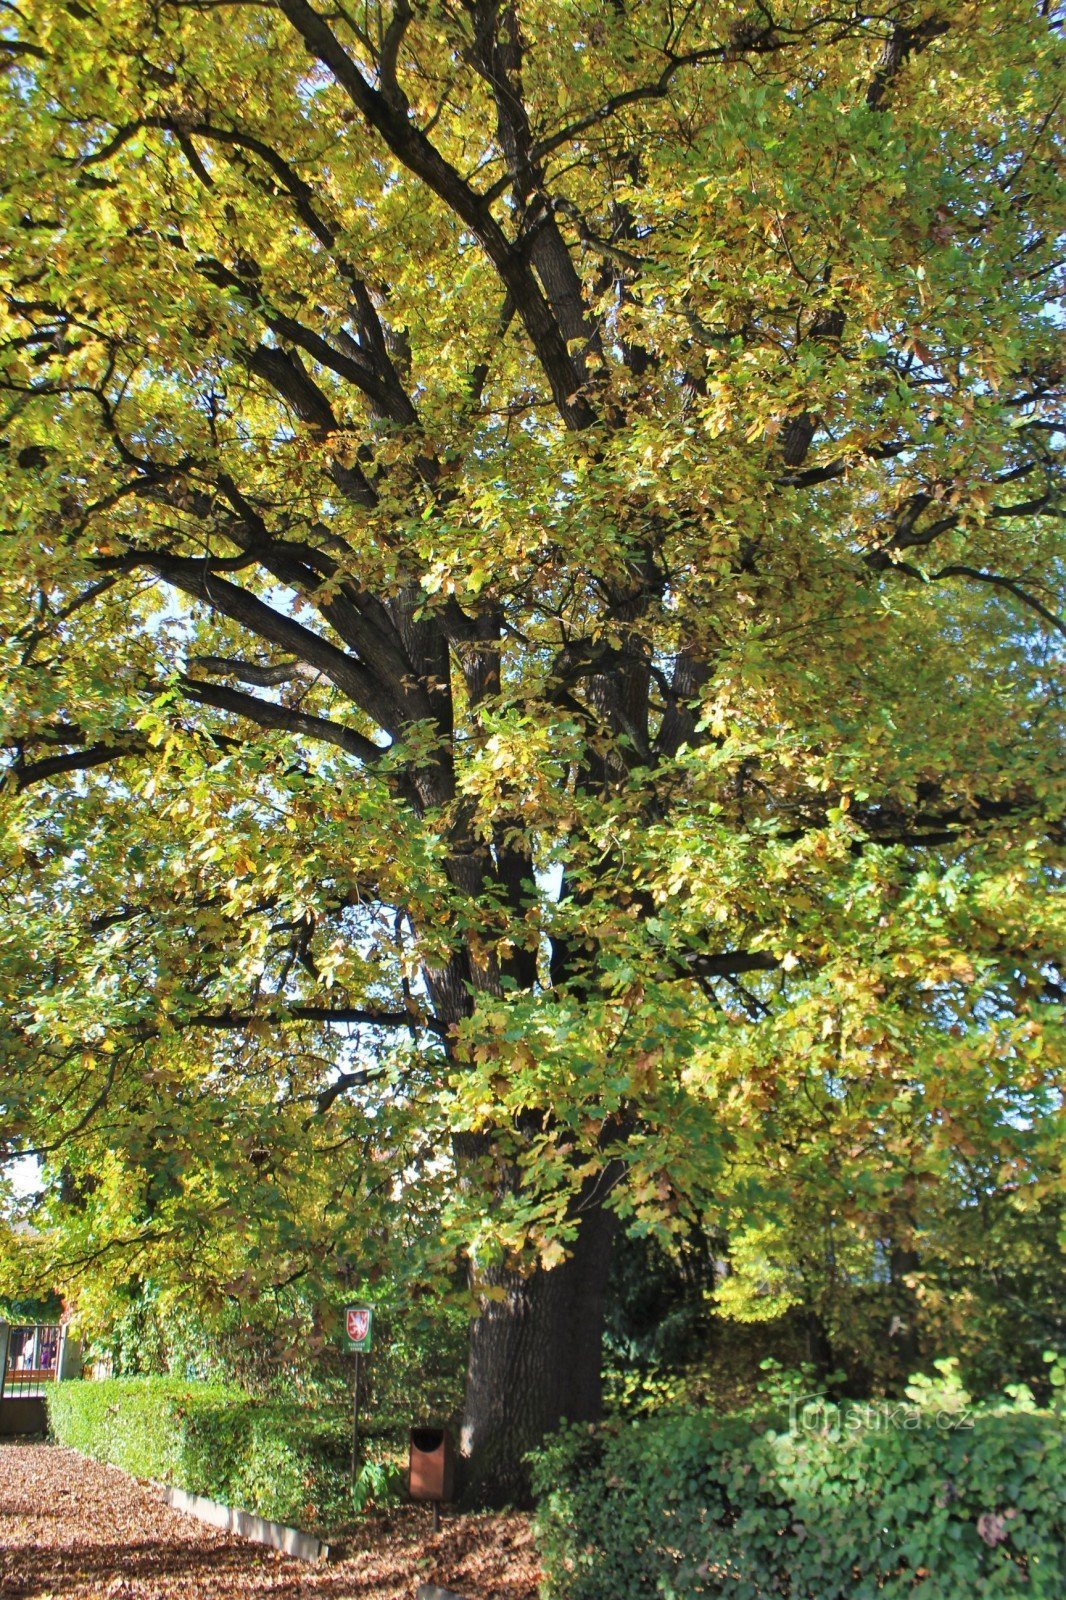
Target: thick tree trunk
[[534, 1363]]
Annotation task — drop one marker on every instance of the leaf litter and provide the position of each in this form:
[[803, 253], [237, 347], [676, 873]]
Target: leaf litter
[[81, 1530]]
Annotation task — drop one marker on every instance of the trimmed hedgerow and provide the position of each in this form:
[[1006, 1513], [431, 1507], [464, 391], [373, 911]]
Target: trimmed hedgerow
[[282, 1460], [859, 1503]]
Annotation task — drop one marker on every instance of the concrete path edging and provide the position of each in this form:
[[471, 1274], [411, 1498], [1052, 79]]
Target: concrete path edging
[[304, 1546]]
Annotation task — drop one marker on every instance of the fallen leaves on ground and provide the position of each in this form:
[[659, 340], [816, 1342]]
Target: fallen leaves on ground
[[75, 1528]]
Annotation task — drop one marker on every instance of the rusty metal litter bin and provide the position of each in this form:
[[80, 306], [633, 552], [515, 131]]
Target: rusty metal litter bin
[[431, 1473]]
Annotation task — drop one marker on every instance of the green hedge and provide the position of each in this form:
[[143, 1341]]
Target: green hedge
[[857, 1503], [282, 1460]]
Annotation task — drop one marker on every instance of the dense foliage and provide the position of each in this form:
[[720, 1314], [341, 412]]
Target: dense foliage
[[529, 580], [934, 1498], [286, 1461], [413, 1374]]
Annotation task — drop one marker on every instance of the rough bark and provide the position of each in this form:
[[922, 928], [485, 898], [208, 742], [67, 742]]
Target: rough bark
[[535, 1362]]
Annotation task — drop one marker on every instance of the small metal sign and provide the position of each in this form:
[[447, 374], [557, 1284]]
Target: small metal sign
[[358, 1327]]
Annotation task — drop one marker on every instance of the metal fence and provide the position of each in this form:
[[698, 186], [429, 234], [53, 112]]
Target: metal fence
[[31, 1359]]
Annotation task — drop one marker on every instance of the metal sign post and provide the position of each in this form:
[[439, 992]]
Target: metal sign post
[[358, 1328], [355, 1418]]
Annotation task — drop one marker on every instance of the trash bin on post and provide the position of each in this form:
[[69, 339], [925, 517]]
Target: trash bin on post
[[431, 1472]]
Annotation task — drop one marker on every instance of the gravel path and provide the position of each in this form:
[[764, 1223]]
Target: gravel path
[[75, 1528]]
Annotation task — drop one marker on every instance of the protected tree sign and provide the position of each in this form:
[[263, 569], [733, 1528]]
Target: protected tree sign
[[358, 1326]]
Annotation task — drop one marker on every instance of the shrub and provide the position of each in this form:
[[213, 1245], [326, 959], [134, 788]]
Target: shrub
[[274, 1457], [850, 1502]]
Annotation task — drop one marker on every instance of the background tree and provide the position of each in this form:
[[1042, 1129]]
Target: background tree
[[909, 1213], [530, 551]]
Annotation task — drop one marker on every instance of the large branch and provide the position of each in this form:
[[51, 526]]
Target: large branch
[[352, 365], [732, 962], [421, 157], [903, 42], [262, 677], [330, 1016], [288, 377], [349, 675], [374, 369], [76, 752], [268, 715], [21, 774], [497, 56]]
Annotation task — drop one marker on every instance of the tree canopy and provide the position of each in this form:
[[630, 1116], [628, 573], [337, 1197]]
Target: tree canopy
[[531, 572]]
